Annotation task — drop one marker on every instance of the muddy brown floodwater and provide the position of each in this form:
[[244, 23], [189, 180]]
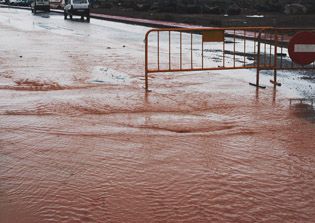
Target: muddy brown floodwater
[[81, 142]]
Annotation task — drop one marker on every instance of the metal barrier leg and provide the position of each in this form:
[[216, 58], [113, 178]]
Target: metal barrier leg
[[258, 64], [257, 76], [257, 80], [146, 82], [275, 64], [274, 81]]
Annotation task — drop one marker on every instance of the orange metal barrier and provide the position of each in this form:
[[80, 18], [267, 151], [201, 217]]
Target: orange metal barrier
[[184, 49]]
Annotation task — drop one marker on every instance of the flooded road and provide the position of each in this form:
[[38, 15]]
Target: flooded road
[[80, 141]]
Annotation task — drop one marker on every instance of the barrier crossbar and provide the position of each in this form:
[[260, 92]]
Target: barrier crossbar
[[204, 49]]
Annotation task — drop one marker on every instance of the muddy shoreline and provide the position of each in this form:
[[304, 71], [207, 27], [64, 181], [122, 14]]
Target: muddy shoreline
[[271, 19]]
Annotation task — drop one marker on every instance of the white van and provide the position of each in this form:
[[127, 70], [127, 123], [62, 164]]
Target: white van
[[56, 4], [43, 5], [77, 7]]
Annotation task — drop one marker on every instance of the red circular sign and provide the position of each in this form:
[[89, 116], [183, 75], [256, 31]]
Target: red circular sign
[[302, 48]]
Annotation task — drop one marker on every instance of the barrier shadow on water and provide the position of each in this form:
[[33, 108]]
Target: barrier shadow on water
[[303, 108]]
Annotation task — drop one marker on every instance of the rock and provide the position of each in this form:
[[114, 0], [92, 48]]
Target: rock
[[164, 6], [155, 6], [269, 6], [234, 10], [101, 4], [190, 7], [142, 6], [213, 10], [294, 9]]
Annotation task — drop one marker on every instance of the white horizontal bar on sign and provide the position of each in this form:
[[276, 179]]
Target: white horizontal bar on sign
[[304, 48]]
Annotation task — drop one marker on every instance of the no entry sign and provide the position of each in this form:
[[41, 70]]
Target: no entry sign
[[302, 48]]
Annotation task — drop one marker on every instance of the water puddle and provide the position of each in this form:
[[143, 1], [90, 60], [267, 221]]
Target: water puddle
[[201, 147], [105, 75]]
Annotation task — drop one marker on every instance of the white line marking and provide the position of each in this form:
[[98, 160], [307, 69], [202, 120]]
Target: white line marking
[[304, 48]]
